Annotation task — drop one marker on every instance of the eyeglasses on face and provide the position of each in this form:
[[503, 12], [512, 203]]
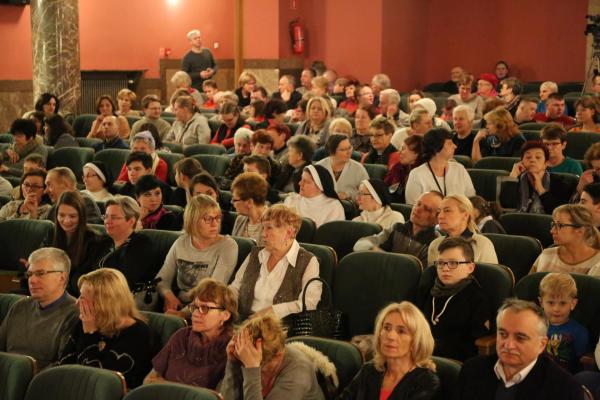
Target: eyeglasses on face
[[203, 308], [209, 220], [30, 186], [39, 273], [560, 225], [452, 264]]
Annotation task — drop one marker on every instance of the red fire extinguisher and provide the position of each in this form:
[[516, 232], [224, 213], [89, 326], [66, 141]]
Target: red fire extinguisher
[[297, 35]]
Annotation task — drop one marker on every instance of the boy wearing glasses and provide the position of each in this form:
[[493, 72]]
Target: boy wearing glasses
[[37, 326], [455, 305], [568, 340]]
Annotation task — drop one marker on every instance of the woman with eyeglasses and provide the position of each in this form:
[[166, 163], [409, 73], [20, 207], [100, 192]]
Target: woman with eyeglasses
[[455, 305], [32, 204], [346, 172], [455, 219], [112, 333], [201, 252], [196, 355], [576, 240], [204, 183], [97, 180], [374, 202], [273, 278], [249, 197]]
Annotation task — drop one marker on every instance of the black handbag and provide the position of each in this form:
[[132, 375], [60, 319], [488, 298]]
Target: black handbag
[[322, 322]]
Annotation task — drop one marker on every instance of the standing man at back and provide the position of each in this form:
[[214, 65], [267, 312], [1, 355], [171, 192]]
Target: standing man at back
[[198, 62]]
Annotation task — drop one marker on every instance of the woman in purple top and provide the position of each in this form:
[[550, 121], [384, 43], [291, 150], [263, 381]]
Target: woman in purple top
[[196, 355]]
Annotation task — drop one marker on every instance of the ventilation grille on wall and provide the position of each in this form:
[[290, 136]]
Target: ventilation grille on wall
[[97, 83]]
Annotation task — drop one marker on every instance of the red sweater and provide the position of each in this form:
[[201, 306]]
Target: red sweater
[[162, 172]]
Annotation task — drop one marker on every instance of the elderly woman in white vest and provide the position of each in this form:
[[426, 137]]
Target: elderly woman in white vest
[[273, 277]]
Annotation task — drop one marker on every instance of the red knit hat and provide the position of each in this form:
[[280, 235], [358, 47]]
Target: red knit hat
[[491, 78]]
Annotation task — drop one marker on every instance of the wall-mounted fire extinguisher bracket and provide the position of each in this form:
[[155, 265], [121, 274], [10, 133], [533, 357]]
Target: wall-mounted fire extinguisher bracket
[[297, 37]]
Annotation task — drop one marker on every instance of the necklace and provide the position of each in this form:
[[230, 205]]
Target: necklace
[[436, 180], [435, 319]]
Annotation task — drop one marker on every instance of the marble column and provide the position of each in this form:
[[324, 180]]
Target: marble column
[[55, 44]]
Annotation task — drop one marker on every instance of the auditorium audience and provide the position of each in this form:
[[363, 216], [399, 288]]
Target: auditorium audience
[[409, 157], [350, 103], [299, 155], [184, 169], [554, 137], [518, 369], [232, 121], [361, 134], [465, 96], [485, 215], [152, 111], [287, 93], [204, 183], [438, 172], [58, 133], [144, 142], [125, 101], [526, 110], [112, 333], [246, 84], [555, 112], [590, 199], [108, 132], [510, 93], [568, 340], [456, 305], [97, 180], [183, 81], [587, 114], [412, 237], [382, 151], [576, 243], [316, 126], [48, 104], [23, 132], [82, 243], [37, 325], [129, 249], [546, 89], [347, 173], [32, 204], [196, 355], [153, 214], [31, 162], [200, 252], [105, 107], [60, 180], [210, 89], [249, 197], [189, 127], [537, 190], [272, 279], [419, 124], [462, 118], [261, 365], [591, 159], [500, 137], [374, 203], [402, 367], [455, 219]]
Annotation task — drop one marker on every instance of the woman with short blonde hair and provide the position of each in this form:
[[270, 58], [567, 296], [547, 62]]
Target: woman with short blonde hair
[[249, 197], [576, 240], [402, 367], [246, 84], [125, 100], [112, 333], [261, 365], [316, 125], [201, 252], [455, 218]]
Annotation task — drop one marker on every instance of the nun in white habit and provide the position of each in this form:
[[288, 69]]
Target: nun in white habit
[[317, 199]]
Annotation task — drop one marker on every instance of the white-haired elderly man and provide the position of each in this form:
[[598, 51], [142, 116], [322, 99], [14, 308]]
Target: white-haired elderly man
[[38, 325], [462, 118], [519, 369], [198, 62], [389, 106], [144, 141]]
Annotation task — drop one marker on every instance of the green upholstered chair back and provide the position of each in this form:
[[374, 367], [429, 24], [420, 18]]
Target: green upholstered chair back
[[346, 357], [76, 382], [404, 209], [82, 125], [365, 282], [327, 260], [578, 143], [161, 244], [72, 157], [114, 159], [503, 163], [6, 302], [527, 224], [88, 142], [170, 159], [174, 147], [244, 247], [516, 252], [342, 235], [171, 390], [376, 171], [307, 231], [19, 238], [16, 371], [485, 182], [202, 148], [447, 370], [163, 326], [214, 164], [587, 311]]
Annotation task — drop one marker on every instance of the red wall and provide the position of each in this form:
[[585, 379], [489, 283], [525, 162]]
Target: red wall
[[415, 42]]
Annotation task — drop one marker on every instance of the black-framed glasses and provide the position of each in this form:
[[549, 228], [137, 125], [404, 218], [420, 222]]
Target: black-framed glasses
[[40, 273], [560, 225], [209, 220], [29, 186], [452, 264], [203, 308]]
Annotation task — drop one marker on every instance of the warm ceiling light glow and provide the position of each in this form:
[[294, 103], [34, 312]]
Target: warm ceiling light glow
[[172, 2]]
